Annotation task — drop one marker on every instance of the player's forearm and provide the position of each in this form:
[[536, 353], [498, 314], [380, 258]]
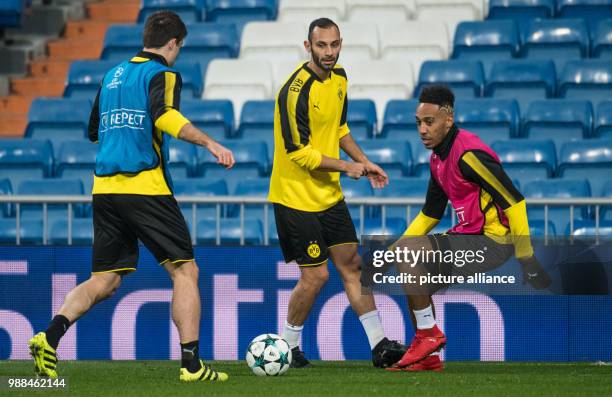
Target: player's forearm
[[329, 164], [350, 147], [192, 134]]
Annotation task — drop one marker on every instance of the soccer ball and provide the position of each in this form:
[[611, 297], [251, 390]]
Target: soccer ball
[[268, 355]]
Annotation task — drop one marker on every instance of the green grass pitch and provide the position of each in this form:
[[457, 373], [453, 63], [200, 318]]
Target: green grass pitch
[[329, 378]]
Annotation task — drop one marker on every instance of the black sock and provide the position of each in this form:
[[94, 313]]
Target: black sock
[[57, 328], [190, 356]]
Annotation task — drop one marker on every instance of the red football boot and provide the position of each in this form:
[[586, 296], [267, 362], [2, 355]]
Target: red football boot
[[429, 363], [426, 342]]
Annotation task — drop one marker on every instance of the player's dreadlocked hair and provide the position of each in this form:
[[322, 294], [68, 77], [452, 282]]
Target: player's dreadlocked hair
[[439, 95], [324, 23]]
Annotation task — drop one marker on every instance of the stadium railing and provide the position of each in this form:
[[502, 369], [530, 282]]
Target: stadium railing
[[596, 203]]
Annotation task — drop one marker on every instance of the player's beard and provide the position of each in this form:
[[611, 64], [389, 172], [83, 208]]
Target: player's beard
[[319, 61]]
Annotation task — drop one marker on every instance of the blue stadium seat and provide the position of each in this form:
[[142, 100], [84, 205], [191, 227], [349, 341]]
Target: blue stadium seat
[[241, 12], [122, 42], [585, 9], [207, 41], [252, 161], [606, 211], [58, 119], [257, 122], [527, 160], [356, 189], [230, 232], [601, 39], [30, 231], [374, 227], [395, 157], [11, 12], [486, 41], [22, 159], [588, 228], [82, 232], [603, 120], [589, 79], [466, 78], [51, 187], [183, 158], [590, 159], [200, 187], [521, 11], [420, 166], [537, 228], [191, 74], [490, 119], [399, 121], [214, 116], [77, 160], [522, 80], [556, 188], [559, 120], [189, 10], [84, 78], [252, 187], [403, 187], [558, 40], [6, 189], [361, 118]]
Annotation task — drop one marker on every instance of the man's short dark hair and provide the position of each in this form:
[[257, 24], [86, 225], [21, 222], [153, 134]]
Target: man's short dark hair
[[161, 27], [439, 95], [323, 23]]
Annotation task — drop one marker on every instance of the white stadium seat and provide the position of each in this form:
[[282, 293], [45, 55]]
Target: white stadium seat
[[450, 11], [381, 11], [380, 81], [415, 41], [273, 41], [238, 80], [359, 42], [307, 11], [281, 72]]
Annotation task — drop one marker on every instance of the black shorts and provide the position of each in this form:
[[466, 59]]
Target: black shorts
[[120, 220], [305, 237]]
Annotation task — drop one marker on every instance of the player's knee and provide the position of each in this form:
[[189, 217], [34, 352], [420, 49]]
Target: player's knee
[[315, 278], [188, 270]]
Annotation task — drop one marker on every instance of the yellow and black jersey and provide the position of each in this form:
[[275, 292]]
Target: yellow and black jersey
[[163, 105], [309, 121]]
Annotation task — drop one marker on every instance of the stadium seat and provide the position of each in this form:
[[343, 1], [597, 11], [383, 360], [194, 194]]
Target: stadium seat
[[590, 159], [558, 40], [526, 159], [521, 11], [420, 166], [392, 80], [252, 187], [189, 10], [182, 161], [281, 71], [406, 43], [490, 119], [214, 116], [395, 157], [559, 120], [486, 41], [30, 231], [207, 41], [360, 42], [374, 227], [589, 228], [380, 12], [22, 159], [537, 228], [302, 11], [77, 160], [230, 232], [82, 232], [589, 79], [522, 80], [465, 78], [252, 161], [361, 118], [403, 187], [601, 39], [606, 210], [352, 189], [121, 42], [274, 41], [603, 120], [556, 188], [257, 122], [399, 121], [191, 75], [452, 12], [6, 189], [84, 78], [241, 12], [11, 12], [58, 119], [51, 187], [238, 80], [203, 187], [584, 9]]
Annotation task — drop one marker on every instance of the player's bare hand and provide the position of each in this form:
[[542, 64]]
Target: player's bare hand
[[224, 156], [355, 170], [377, 176]]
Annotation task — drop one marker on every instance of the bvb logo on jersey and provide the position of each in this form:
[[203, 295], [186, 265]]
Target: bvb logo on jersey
[[340, 93], [313, 250]]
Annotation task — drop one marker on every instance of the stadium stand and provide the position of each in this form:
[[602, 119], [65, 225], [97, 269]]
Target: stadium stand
[[521, 11], [204, 188], [601, 39], [588, 79], [188, 10], [215, 116], [603, 120], [490, 119], [466, 78], [58, 119], [273, 41], [527, 160], [361, 118], [300, 11], [590, 159]]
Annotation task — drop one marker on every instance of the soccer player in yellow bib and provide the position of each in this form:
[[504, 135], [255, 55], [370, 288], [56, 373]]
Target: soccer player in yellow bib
[[312, 219]]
